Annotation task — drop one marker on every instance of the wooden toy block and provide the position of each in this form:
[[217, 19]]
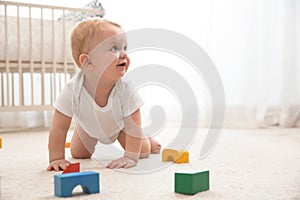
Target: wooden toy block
[[0, 142], [178, 156], [68, 144], [73, 167], [65, 183], [191, 182]]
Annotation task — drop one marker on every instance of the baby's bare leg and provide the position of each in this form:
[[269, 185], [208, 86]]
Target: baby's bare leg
[[149, 145], [82, 146]]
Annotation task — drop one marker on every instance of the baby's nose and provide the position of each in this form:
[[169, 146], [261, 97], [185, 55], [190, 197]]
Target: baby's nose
[[123, 54]]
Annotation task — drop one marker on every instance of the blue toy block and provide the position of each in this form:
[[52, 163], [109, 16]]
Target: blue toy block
[[65, 183]]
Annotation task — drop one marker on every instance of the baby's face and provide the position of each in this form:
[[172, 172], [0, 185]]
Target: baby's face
[[109, 55]]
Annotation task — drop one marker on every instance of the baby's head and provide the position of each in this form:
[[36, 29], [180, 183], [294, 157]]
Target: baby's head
[[87, 35]]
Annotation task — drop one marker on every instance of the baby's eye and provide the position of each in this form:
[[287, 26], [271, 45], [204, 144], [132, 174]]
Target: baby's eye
[[125, 48], [114, 48]]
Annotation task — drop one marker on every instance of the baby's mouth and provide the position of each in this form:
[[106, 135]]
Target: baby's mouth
[[121, 64]]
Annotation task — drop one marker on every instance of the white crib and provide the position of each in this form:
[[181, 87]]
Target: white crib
[[35, 58]]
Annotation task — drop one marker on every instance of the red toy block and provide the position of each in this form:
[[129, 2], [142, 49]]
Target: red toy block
[[73, 167]]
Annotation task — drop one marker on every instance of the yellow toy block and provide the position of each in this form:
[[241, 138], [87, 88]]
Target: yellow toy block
[[178, 156], [0, 142]]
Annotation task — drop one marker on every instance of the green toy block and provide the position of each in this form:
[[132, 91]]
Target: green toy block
[[191, 182]]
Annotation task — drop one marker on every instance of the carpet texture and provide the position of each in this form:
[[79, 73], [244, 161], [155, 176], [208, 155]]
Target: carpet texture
[[245, 164]]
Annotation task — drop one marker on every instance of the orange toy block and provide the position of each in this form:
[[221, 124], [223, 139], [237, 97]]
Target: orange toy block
[[178, 156], [0, 142], [73, 167], [67, 145]]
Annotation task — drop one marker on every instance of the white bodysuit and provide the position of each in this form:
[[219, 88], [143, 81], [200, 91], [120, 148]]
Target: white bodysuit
[[102, 123]]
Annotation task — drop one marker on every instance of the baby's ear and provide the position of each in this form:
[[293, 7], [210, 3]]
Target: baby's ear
[[85, 61]]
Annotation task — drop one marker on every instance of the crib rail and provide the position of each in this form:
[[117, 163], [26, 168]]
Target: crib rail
[[35, 56]]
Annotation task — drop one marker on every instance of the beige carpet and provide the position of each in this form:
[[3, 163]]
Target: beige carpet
[[246, 164]]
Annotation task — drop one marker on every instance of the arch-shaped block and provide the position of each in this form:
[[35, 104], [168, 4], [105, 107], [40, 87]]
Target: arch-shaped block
[[65, 183], [178, 156]]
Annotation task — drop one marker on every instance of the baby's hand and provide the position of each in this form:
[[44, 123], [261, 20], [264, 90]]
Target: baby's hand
[[123, 162], [57, 165]]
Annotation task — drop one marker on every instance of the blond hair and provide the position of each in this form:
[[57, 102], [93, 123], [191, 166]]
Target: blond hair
[[84, 34]]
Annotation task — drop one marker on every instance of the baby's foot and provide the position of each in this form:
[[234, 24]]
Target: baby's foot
[[155, 146]]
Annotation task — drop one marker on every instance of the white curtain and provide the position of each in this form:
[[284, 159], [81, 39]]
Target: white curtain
[[255, 45]]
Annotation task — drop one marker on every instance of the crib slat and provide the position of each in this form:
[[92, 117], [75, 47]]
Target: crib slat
[[65, 46], [30, 55], [2, 90], [6, 58], [53, 82], [12, 88], [43, 60], [21, 97]]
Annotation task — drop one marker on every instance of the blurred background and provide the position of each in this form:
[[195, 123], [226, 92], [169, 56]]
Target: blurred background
[[255, 46]]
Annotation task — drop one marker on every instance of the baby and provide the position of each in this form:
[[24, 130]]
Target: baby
[[104, 106]]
